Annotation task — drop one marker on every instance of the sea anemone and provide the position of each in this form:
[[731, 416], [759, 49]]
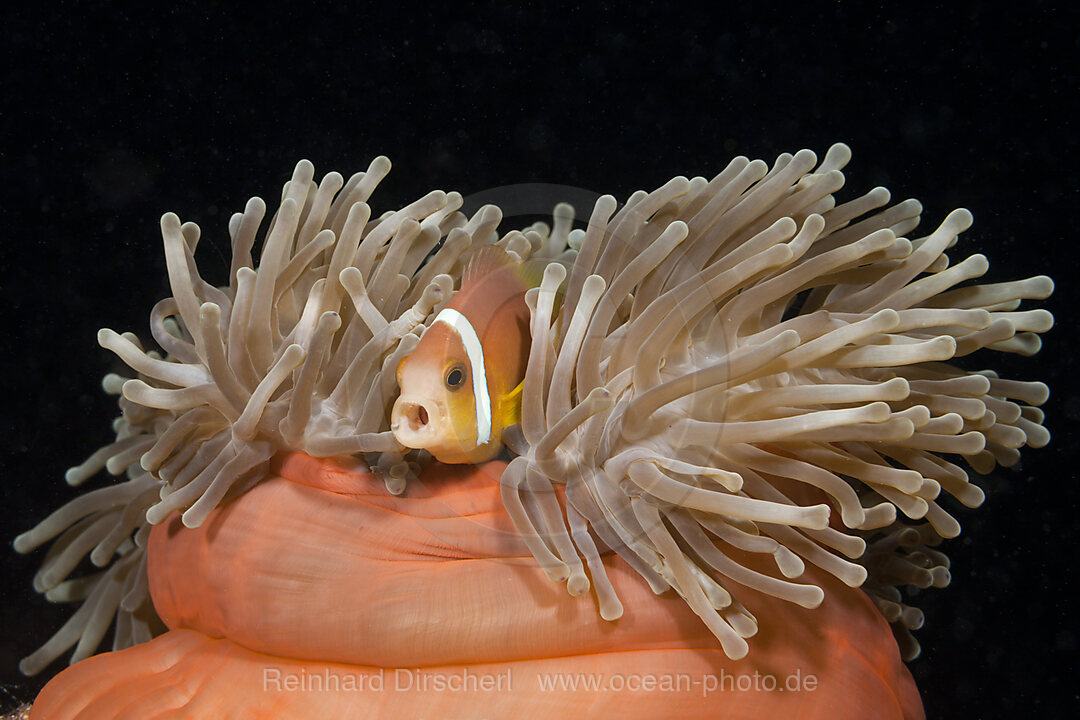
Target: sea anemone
[[734, 389]]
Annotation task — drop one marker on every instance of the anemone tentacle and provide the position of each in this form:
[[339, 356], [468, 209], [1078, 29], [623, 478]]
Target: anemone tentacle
[[739, 362]]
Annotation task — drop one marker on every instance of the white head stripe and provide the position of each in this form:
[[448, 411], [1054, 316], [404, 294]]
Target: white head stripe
[[475, 352]]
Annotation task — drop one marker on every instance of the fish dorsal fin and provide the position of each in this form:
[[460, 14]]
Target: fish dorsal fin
[[486, 260]]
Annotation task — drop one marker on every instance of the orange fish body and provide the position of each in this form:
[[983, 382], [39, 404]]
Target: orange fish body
[[461, 386]]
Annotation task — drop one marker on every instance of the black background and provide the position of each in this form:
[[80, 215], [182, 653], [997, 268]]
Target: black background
[[111, 117]]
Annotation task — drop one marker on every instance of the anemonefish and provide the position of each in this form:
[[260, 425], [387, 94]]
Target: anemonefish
[[461, 386]]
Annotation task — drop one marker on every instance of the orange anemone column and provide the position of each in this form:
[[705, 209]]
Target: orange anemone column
[[318, 594]]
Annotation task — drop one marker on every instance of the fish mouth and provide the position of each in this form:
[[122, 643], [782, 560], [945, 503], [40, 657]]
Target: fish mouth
[[416, 421]]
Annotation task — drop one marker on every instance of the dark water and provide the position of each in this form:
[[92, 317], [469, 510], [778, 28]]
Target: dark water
[[110, 119]]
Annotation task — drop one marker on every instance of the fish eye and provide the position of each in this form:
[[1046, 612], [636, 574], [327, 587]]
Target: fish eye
[[455, 378]]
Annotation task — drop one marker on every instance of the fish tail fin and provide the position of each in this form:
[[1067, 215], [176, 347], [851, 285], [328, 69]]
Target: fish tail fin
[[531, 273]]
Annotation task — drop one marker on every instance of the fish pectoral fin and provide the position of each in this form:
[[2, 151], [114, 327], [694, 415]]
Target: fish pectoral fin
[[511, 406]]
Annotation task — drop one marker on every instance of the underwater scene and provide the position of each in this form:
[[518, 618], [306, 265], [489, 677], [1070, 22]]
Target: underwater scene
[[611, 388]]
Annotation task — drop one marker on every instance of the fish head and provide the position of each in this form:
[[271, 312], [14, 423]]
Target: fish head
[[436, 409]]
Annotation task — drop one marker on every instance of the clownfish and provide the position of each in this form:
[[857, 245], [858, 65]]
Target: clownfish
[[462, 384]]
